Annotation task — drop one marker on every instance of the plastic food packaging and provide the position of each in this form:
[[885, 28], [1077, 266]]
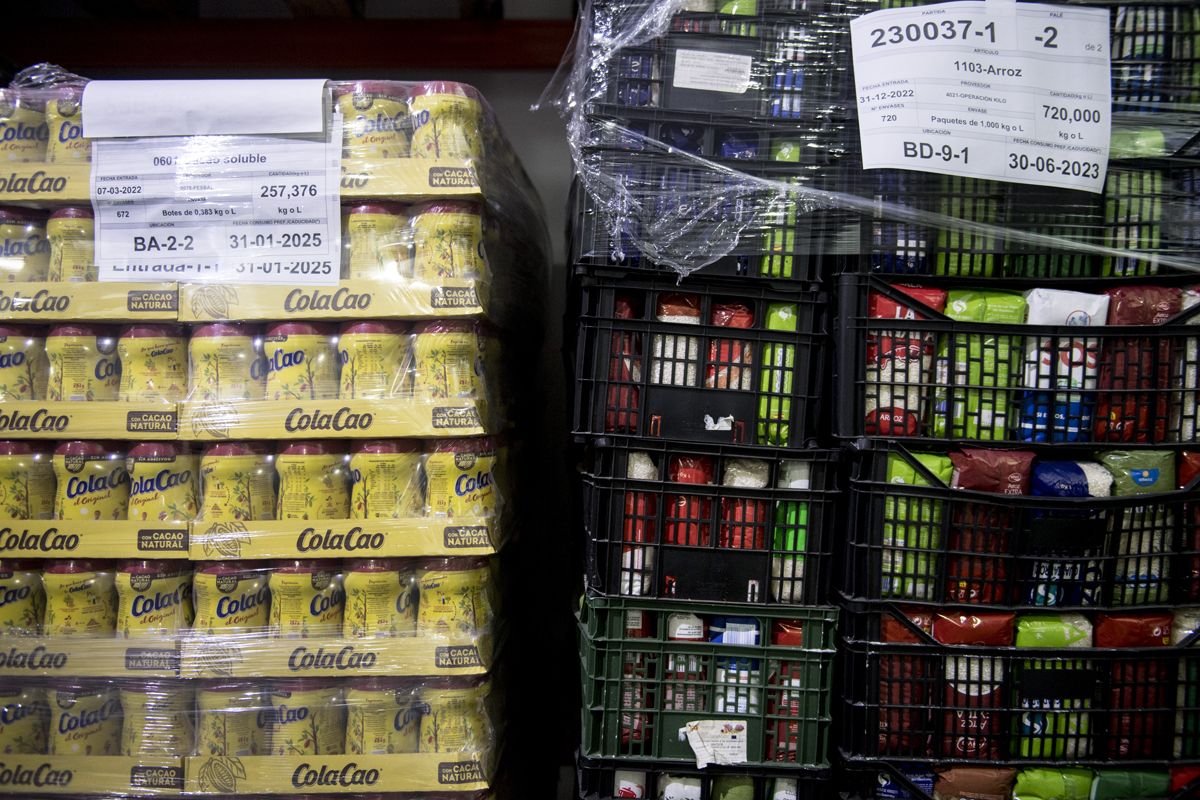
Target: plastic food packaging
[[912, 530], [1053, 720]]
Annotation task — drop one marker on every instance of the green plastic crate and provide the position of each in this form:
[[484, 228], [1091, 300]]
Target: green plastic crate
[[638, 692]]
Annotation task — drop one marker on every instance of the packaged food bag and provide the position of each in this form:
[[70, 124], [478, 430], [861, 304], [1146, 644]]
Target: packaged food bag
[[1053, 784], [1187, 700], [962, 251], [904, 684], [974, 783], [1135, 372], [976, 371], [912, 526], [1060, 372], [789, 538], [777, 378], [675, 358], [973, 694], [1053, 694], [639, 528], [1138, 691], [899, 364], [1121, 784], [688, 517], [1133, 218], [1143, 543], [1187, 777], [919, 775], [980, 534], [898, 246], [1185, 383], [623, 398], [1189, 582], [744, 520], [1069, 544], [730, 361]]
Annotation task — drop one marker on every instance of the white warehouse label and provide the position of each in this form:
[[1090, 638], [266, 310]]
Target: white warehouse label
[[1016, 92]]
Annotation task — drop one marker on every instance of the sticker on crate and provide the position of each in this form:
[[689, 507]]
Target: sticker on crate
[[717, 741]]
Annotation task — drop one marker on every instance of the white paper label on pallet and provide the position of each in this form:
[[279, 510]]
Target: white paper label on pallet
[[717, 741], [1016, 92], [712, 72], [249, 209]]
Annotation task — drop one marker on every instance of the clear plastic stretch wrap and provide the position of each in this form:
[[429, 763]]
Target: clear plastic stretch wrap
[[250, 532], [763, 178]]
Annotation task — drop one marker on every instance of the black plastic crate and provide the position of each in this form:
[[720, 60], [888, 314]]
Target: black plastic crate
[[906, 696], [699, 363], [928, 377], [641, 686], [788, 59], [1151, 208], [709, 524], [931, 544], [1155, 51], [690, 213], [605, 779], [886, 780]]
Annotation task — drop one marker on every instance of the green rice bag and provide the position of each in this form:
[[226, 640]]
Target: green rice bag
[[1143, 564], [1053, 693], [1119, 784], [912, 528], [1053, 784], [1133, 215], [960, 251], [978, 360]]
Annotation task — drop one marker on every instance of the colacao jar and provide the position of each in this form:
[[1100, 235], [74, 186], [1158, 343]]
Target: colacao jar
[[64, 117], [307, 600], [301, 361], [24, 248], [455, 597], [162, 482], [307, 718], [313, 481], [92, 482], [84, 365], [24, 720], [377, 242], [385, 480], [22, 598], [374, 358], [226, 363], [72, 234], [381, 598], [447, 240], [154, 599], [27, 485], [237, 481], [382, 717], [158, 718], [454, 715], [230, 597], [374, 119], [447, 120], [460, 477], [231, 719], [81, 599], [153, 363], [23, 130], [24, 366], [85, 720]]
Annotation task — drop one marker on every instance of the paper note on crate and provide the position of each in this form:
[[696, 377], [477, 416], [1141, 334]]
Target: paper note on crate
[[716, 741]]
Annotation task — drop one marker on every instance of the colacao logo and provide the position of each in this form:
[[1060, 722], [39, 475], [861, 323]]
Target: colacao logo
[[69, 132], [15, 712], [68, 722], [285, 715], [42, 775], [13, 594], [350, 541], [44, 541], [341, 420], [323, 602], [469, 484], [41, 302], [32, 245], [349, 775], [282, 359], [380, 123], [10, 360], [107, 368], [21, 132], [346, 658], [406, 718], [164, 480], [161, 601], [340, 300], [37, 183], [96, 483], [36, 660], [228, 606]]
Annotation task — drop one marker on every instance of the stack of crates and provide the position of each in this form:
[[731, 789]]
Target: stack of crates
[[1020, 577], [707, 507]]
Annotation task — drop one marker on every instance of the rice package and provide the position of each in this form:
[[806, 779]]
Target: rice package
[[680, 787], [919, 775], [1138, 685], [980, 532], [1125, 784], [1053, 784], [974, 783], [1053, 694], [1189, 474], [976, 371], [973, 693], [789, 539], [675, 358], [1133, 219], [904, 687], [1187, 699], [1143, 558], [912, 526], [730, 361], [1186, 375], [1135, 372], [641, 518], [962, 251], [899, 364], [1069, 544], [623, 398], [1060, 372], [744, 520], [776, 377]]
